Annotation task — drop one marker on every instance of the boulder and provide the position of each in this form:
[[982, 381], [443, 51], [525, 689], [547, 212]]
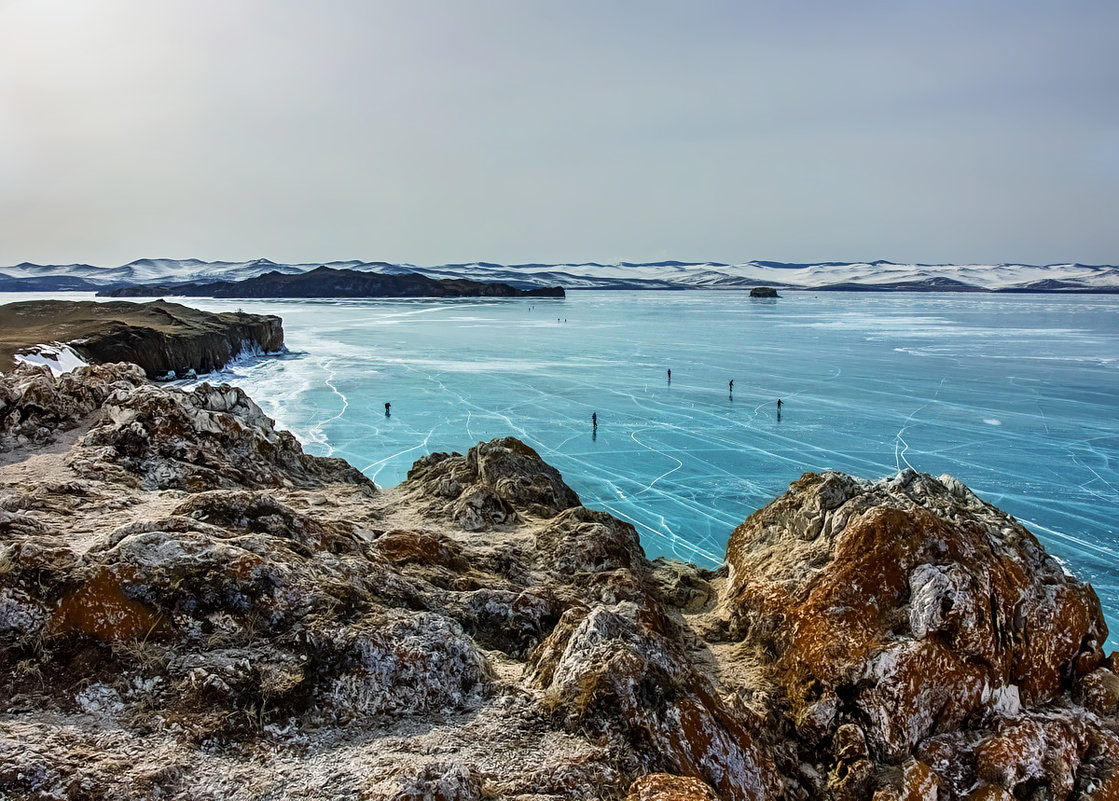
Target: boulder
[[910, 608], [609, 675], [494, 483], [666, 787]]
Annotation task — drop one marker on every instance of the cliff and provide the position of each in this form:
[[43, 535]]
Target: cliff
[[160, 337], [192, 607], [327, 282]]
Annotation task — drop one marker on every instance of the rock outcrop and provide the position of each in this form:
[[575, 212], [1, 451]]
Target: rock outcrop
[[911, 625], [35, 406], [163, 338], [764, 292], [191, 607]]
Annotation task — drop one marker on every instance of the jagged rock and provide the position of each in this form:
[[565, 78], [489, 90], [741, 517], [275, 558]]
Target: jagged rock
[[209, 438], [605, 673], [1099, 691], [258, 513], [404, 663], [764, 292], [489, 486], [36, 406], [911, 608]]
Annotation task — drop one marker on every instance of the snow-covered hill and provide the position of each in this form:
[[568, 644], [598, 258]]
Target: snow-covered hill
[[877, 275]]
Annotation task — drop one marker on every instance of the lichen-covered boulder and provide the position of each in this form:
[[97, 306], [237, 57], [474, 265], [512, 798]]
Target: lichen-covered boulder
[[582, 540], [606, 674], [209, 438], [908, 608], [493, 483]]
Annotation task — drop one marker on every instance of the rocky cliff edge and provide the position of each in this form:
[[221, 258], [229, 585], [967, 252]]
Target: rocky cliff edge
[[191, 607], [163, 338]]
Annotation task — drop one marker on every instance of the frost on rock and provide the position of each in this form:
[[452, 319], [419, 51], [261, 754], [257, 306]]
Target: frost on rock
[[209, 438], [405, 664], [37, 405]]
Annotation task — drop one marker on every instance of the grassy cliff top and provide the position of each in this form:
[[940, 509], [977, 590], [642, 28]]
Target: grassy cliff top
[[28, 323]]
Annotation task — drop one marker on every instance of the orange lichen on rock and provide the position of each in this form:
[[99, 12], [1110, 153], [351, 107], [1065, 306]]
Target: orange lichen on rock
[[667, 787], [402, 547], [913, 608], [100, 609]]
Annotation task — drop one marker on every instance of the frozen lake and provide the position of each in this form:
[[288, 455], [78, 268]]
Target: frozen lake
[[1017, 396]]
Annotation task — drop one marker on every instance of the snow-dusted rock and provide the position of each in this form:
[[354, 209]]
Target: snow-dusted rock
[[209, 438]]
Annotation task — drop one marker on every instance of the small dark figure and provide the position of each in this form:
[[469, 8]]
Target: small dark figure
[[732, 386], [388, 413], [594, 419], [778, 404], [670, 376]]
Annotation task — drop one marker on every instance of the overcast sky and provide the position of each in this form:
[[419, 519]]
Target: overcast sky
[[432, 131]]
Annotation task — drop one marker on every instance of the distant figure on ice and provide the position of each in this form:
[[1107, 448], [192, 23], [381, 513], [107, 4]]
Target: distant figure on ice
[[388, 413], [670, 376], [778, 404], [732, 386], [594, 419]]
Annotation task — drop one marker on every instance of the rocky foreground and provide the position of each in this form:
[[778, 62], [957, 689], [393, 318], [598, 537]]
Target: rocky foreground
[[193, 608]]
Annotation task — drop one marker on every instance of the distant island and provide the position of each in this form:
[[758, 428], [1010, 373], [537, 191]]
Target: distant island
[[168, 276], [327, 282]]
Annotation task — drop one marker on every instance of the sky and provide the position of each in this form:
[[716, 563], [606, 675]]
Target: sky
[[438, 131]]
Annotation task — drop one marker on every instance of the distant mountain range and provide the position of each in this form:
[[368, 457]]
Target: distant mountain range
[[328, 282], [823, 276]]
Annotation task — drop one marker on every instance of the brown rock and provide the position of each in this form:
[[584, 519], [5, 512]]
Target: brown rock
[[606, 674], [666, 787], [36, 406], [581, 540], [99, 609], [681, 584], [912, 598], [1099, 691]]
